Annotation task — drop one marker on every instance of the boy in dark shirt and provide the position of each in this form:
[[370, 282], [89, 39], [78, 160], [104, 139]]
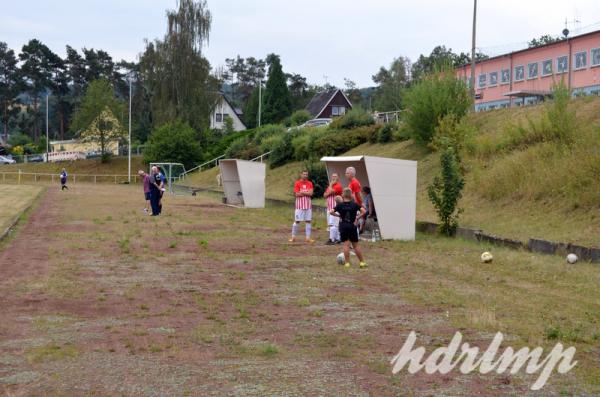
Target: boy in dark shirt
[[349, 213]]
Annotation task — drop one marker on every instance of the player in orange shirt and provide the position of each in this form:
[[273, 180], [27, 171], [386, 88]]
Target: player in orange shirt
[[354, 185], [303, 190]]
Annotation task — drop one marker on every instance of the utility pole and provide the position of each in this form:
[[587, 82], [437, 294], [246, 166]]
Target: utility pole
[[129, 145], [47, 137], [473, 49], [259, 100]]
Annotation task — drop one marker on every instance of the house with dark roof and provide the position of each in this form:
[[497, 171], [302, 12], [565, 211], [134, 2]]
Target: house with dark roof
[[329, 103], [223, 109]]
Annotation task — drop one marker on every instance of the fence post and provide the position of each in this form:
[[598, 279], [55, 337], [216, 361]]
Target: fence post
[[74, 178], [94, 179], [115, 179], [19, 177]]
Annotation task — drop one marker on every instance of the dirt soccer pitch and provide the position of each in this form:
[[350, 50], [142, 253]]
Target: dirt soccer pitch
[[99, 299]]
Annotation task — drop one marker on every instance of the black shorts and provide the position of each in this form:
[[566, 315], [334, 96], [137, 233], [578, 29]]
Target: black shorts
[[147, 195], [348, 232]]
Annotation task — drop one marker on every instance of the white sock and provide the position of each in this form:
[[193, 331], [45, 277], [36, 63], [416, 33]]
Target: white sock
[[308, 229], [294, 229], [333, 233]]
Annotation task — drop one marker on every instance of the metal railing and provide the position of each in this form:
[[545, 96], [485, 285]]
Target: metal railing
[[199, 167], [25, 177], [262, 156]]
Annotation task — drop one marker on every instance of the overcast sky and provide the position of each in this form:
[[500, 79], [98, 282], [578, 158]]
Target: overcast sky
[[315, 38]]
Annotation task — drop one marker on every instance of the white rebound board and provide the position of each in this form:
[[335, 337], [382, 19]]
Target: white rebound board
[[393, 184], [245, 177]]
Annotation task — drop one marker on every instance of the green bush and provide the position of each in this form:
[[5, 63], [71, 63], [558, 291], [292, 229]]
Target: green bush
[[430, 99], [266, 131], [356, 117], [174, 142], [283, 151], [317, 173], [385, 134], [562, 121], [445, 191], [339, 141], [454, 133], [242, 148], [219, 143], [300, 117]]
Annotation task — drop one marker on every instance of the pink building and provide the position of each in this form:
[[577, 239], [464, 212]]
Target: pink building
[[526, 76]]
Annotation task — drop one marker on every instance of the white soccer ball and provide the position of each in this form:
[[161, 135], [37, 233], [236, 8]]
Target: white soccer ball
[[340, 258], [486, 257], [572, 258]]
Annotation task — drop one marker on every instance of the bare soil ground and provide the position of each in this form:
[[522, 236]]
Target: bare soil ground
[[100, 299]]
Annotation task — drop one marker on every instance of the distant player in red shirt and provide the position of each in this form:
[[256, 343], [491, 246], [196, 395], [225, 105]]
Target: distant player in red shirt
[[303, 190], [334, 189], [354, 185]]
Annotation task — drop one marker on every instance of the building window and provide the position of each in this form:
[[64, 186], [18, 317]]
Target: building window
[[580, 60], [520, 73], [338, 110], [482, 80], [562, 64], [493, 79], [219, 117], [595, 55], [547, 68], [505, 76], [532, 70]]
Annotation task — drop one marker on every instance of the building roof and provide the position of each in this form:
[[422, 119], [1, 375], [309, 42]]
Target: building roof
[[560, 41], [321, 99]]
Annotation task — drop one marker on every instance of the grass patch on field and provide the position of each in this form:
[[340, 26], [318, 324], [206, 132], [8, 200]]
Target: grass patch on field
[[51, 352], [14, 200]]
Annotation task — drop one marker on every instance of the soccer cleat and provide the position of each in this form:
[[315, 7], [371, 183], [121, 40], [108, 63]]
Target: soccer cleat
[[347, 264], [330, 242], [362, 265], [310, 241], [292, 239]]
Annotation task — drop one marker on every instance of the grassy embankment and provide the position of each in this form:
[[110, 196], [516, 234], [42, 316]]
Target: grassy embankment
[[517, 185]]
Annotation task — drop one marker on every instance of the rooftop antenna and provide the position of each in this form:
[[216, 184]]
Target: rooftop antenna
[[565, 31], [325, 77]]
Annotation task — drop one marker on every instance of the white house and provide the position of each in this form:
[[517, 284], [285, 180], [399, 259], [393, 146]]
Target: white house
[[223, 109]]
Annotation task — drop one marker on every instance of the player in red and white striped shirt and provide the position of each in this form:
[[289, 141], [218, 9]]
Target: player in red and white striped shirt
[[333, 190], [303, 190]]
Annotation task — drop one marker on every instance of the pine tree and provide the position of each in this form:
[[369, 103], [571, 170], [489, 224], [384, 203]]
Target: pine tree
[[251, 111], [277, 99]]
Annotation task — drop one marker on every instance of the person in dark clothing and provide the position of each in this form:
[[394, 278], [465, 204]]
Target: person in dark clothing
[[349, 213], [155, 191], [63, 179]]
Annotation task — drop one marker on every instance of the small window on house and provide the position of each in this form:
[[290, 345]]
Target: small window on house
[[342, 110], [225, 115], [505, 76], [547, 67], [219, 117], [482, 80], [493, 79], [335, 111], [580, 60], [595, 55], [562, 64], [532, 70], [520, 73]]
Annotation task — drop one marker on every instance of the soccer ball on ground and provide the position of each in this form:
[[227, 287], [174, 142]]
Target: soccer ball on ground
[[486, 257], [340, 258], [572, 258]]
